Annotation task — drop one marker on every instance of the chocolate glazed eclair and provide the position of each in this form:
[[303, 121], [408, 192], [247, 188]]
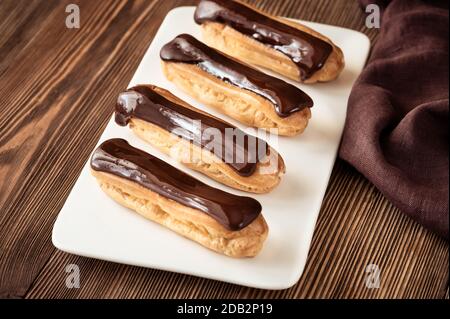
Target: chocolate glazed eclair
[[288, 48], [199, 140], [229, 224], [237, 90]]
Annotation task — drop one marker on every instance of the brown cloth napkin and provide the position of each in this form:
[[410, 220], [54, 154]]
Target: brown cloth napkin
[[396, 132]]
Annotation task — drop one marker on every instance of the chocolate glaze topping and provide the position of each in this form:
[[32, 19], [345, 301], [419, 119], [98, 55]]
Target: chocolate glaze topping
[[119, 158], [309, 53], [286, 97], [237, 149]]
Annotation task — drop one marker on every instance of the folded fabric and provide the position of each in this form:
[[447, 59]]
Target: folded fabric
[[396, 132]]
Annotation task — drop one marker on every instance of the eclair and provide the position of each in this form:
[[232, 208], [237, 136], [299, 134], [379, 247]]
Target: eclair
[[199, 140], [235, 89], [229, 224], [285, 47]]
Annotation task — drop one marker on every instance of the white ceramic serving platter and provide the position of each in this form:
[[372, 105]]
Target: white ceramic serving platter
[[92, 225]]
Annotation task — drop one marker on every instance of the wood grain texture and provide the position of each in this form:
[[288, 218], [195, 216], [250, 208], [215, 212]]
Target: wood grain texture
[[57, 86]]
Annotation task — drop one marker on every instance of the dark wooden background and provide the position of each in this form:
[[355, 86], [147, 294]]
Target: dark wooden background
[[57, 91]]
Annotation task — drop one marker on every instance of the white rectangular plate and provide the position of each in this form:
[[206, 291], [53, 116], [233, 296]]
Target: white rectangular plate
[[93, 225]]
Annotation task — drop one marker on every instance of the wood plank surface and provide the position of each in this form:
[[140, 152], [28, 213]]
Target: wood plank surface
[[57, 89]]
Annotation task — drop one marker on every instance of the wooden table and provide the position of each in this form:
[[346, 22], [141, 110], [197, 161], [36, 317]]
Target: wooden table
[[57, 91]]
